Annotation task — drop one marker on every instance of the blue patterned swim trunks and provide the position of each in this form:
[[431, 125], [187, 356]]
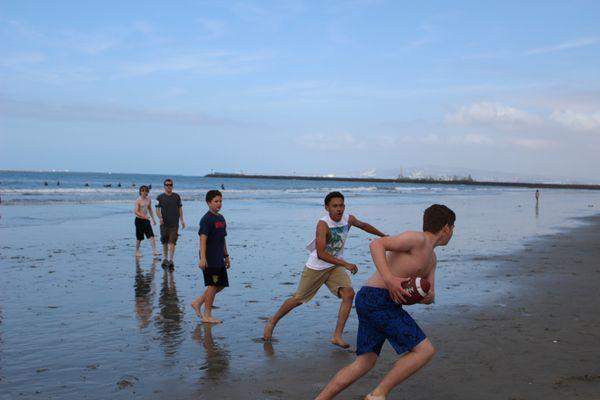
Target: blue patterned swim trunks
[[380, 318]]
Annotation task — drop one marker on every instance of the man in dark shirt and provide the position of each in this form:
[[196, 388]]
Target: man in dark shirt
[[169, 211], [214, 258]]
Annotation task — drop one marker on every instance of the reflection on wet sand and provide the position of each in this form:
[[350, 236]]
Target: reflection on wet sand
[[216, 363], [144, 293], [170, 318], [1, 377], [269, 349]]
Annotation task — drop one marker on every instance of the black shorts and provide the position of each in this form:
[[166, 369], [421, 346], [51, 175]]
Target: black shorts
[[143, 228], [215, 277]]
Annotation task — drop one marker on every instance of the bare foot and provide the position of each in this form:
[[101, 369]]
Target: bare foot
[[196, 308], [211, 320], [372, 397], [340, 342], [268, 333]]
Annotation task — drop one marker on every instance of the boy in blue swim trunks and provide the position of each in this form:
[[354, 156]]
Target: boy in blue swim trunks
[[379, 305]]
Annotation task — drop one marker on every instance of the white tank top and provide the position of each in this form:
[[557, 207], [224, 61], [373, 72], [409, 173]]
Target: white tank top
[[338, 233]]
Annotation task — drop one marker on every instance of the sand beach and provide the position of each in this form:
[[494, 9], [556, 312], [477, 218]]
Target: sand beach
[[515, 317]]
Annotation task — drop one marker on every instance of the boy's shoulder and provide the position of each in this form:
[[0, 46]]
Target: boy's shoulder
[[414, 237], [208, 216]]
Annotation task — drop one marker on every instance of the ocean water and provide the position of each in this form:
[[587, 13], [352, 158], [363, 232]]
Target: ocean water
[[80, 317]]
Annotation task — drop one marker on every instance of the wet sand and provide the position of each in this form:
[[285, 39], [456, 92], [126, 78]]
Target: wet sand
[[541, 341], [80, 318]]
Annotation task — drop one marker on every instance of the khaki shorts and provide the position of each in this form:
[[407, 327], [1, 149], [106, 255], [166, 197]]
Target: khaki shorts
[[311, 280], [169, 234]]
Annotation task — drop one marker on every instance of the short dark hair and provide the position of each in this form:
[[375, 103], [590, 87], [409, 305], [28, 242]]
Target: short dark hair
[[211, 194], [436, 217], [167, 180], [144, 187], [333, 195]]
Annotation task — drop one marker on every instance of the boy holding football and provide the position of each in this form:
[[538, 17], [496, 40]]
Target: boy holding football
[[379, 304]]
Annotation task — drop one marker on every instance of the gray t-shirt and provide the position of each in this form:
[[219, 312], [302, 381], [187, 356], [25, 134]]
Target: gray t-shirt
[[169, 208]]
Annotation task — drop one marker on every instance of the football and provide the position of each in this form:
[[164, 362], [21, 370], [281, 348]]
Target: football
[[417, 288]]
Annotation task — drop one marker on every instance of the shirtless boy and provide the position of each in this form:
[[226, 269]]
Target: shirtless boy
[[141, 209], [379, 308], [326, 265]]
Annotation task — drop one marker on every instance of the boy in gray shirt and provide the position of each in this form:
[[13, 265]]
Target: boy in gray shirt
[[169, 211]]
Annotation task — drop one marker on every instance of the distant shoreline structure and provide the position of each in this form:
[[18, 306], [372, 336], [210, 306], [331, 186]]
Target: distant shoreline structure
[[429, 181]]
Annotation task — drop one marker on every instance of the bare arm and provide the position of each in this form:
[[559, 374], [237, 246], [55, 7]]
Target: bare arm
[[227, 260], [158, 214], [322, 230], [430, 298], [181, 216], [401, 243], [202, 264], [151, 214], [352, 220]]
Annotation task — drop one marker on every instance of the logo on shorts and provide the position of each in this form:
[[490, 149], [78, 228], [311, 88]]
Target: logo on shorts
[[215, 278]]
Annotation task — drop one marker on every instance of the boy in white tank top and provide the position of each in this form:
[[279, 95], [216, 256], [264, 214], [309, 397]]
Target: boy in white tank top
[[326, 265]]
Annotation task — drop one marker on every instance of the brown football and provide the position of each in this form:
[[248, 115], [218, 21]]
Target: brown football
[[417, 289]]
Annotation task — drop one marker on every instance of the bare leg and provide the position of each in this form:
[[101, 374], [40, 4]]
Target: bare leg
[[347, 295], [348, 375], [172, 250], [165, 254], [209, 298], [137, 248], [407, 365], [197, 305], [285, 308], [153, 244]]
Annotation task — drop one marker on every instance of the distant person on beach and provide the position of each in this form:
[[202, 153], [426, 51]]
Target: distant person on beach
[[379, 305], [214, 257], [169, 211], [537, 195], [326, 265], [142, 208]]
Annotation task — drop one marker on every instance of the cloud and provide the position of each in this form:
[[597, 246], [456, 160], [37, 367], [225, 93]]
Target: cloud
[[89, 42], [211, 27], [489, 114], [572, 44], [210, 63], [578, 121], [534, 144], [331, 142], [17, 60], [476, 139], [106, 113], [562, 46], [327, 142]]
